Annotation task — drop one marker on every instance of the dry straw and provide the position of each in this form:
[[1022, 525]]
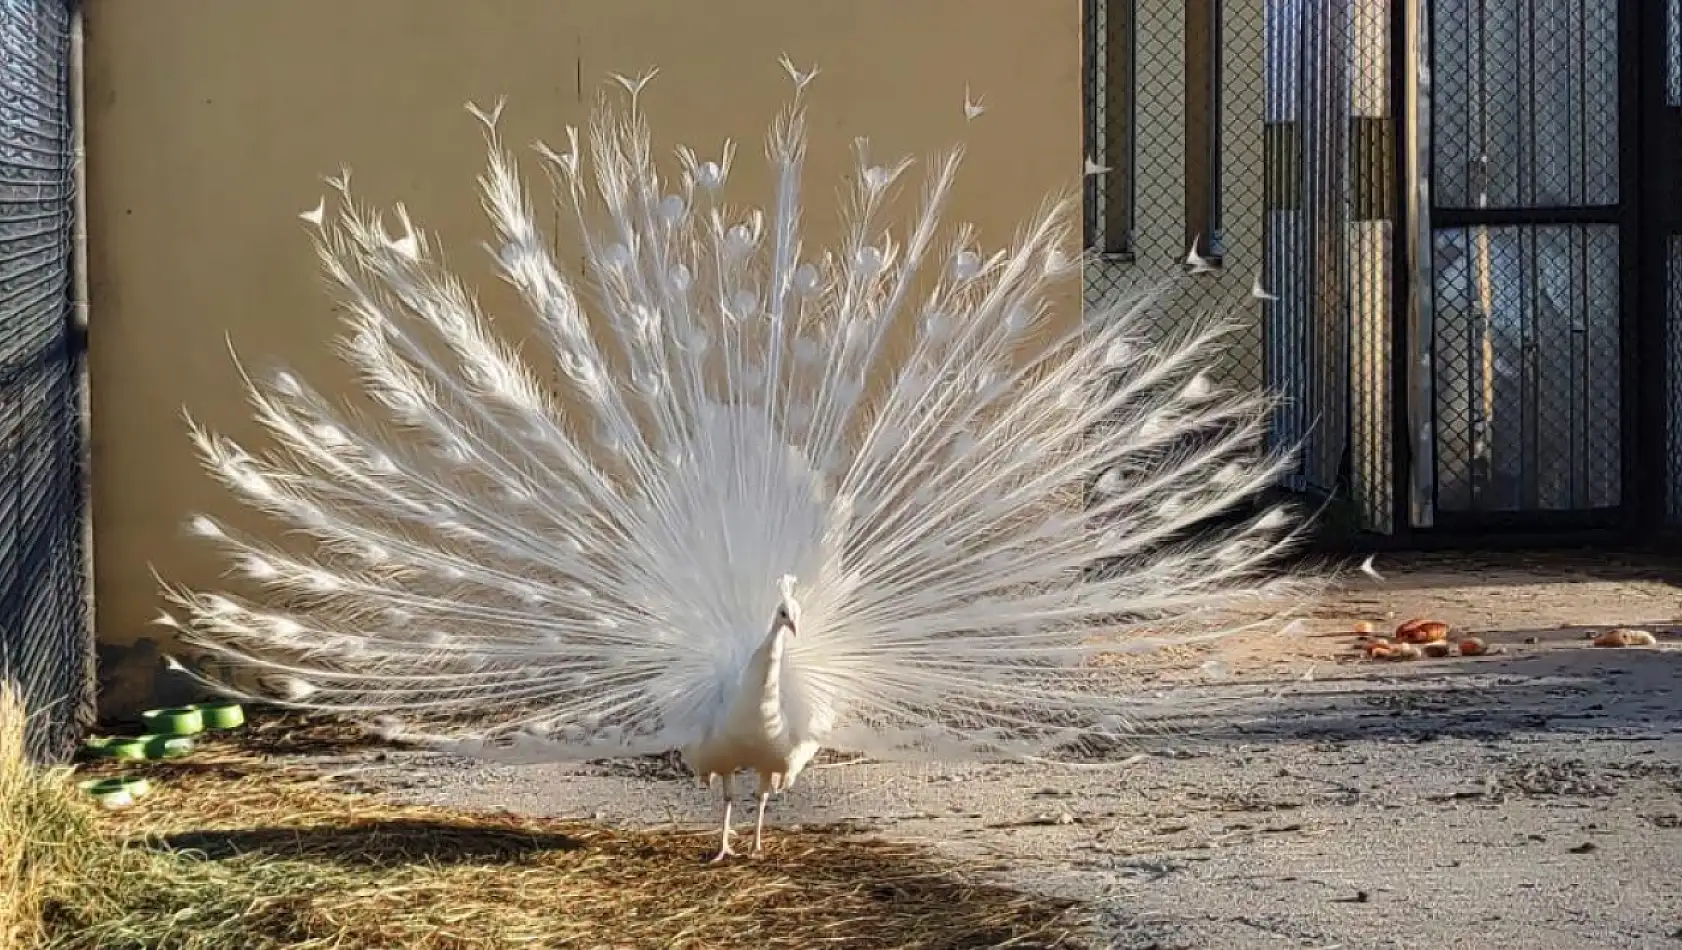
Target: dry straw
[[234, 850]]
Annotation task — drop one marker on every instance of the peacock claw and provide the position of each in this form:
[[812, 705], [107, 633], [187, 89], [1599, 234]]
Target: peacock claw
[[721, 855]]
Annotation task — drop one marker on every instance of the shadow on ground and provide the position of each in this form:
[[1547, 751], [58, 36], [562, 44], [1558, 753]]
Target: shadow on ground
[[257, 856], [1426, 570], [1601, 693], [375, 844]]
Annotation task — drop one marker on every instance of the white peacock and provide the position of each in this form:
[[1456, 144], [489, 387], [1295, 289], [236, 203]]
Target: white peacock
[[772, 500]]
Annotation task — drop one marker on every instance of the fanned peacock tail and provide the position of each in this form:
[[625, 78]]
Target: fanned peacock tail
[[575, 556]]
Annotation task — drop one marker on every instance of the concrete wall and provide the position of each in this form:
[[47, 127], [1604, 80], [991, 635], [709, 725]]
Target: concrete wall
[[210, 125]]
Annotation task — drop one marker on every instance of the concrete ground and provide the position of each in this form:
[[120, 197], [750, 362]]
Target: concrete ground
[[1531, 799]]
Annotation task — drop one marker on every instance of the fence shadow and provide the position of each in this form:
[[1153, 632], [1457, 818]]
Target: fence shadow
[[381, 843], [1426, 570], [1556, 689]]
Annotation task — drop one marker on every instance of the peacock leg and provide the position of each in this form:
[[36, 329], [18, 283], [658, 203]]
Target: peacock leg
[[766, 784], [724, 836], [759, 823]]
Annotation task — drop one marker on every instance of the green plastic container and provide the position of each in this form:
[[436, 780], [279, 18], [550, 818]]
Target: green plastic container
[[167, 747], [116, 748], [173, 721], [221, 715], [115, 792], [96, 745]]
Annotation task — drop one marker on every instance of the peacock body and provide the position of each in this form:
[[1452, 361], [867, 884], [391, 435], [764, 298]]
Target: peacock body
[[756, 499]]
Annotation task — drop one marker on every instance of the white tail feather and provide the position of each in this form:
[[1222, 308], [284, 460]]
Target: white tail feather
[[974, 505]]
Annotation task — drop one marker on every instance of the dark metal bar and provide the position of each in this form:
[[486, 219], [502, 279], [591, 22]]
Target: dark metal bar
[[1108, 53], [1202, 125], [1120, 57], [1402, 365], [1647, 373], [1637, 263], [1445, 218], [1484, 524]]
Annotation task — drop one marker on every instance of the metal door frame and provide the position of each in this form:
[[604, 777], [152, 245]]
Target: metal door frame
[[1660, 150]]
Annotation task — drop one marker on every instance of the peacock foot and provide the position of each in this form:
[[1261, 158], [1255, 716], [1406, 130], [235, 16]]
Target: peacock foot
[[724, 852]]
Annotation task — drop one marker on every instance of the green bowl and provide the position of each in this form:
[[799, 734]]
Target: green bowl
[[167, 747], [97, 745], [221, 715], [115, 792], [173, 721], [112, 747]]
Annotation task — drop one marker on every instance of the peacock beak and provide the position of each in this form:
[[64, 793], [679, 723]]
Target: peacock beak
[[787, 622]]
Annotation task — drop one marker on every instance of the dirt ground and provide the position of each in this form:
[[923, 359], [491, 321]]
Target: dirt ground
[[1531, 799]]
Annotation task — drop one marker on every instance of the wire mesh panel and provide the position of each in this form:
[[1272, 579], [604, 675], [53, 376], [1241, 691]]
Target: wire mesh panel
[[1369, 222], [44, 644], [1527, 304], [1670, 118], [1255, 137], [1527, 358], [1526, 104], [1331, 168], [1174, 104]]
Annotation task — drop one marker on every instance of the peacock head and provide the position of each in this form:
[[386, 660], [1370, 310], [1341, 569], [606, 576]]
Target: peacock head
[[788, 609]]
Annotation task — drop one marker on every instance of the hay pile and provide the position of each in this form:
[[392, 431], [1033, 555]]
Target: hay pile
[[231, 850], [49, 833]]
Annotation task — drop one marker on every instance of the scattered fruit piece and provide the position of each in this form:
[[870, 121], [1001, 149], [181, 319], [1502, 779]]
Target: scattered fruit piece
[[1421, 631], [1363, 627], [1625, 637], [1473, 646], [1438, 649], [1378, 650], [1405, 651]]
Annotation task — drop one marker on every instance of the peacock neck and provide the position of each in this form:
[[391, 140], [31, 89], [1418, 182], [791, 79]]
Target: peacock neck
[[764, 674]]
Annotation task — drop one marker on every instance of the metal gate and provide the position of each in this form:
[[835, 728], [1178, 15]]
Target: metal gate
[[1470, 238], [45, 643], [1330, 242], [1530, 224], [1259, 134]]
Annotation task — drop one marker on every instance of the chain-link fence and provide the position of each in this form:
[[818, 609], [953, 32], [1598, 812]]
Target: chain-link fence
[[44, 632], [1527, 255], [1253, 138]]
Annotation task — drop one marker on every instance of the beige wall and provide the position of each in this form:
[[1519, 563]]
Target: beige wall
[[211, 122]]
